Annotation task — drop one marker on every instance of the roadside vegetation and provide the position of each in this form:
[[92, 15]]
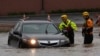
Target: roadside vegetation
[[75, 10], [21, 13], [57, 11]]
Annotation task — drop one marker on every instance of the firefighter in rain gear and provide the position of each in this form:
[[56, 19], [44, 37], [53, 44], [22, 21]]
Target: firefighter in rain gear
[[87, 29], [67, 27]]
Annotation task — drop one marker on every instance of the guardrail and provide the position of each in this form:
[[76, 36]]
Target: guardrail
[[6, 27]]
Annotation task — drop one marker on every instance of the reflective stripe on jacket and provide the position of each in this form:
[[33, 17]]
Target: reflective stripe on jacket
[[69, 24]]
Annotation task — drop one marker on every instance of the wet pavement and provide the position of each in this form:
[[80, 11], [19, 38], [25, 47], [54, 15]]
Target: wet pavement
[[77, 50]]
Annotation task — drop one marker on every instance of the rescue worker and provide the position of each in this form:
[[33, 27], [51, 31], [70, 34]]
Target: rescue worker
[[67, 27], [87, 29], [98, 22]]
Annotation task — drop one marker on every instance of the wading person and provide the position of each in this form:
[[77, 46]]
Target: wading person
[[67, 27], [87, 29], [98, 22]]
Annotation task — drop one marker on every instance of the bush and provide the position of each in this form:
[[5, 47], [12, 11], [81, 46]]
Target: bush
[[21, 13], [75, 10]]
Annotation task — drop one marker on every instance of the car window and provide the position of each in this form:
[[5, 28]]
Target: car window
[[51, 29], [16, 28], [34, 28], [39, 28]]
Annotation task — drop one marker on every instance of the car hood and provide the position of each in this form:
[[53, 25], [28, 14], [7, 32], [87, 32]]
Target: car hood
[[45, 36]]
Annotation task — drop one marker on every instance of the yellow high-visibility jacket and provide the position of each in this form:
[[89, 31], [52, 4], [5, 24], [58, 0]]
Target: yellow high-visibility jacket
[[69, 23]]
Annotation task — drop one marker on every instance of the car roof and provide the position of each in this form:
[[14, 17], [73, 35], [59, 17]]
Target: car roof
[[35, 21]]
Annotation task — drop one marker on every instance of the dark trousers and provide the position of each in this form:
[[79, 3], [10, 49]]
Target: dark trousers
[[70, 35], [88, 38]]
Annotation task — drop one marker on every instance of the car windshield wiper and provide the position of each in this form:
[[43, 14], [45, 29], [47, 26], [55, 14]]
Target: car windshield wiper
[[46, 29]]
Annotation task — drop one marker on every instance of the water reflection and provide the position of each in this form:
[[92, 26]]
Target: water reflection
[[33, 52]]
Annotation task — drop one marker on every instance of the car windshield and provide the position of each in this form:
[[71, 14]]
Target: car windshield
[[39, 28]]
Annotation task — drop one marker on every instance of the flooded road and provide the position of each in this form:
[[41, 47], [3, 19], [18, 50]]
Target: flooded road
[[77, 50]]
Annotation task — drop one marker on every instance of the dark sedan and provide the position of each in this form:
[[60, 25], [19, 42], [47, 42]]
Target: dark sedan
[[35, 33]]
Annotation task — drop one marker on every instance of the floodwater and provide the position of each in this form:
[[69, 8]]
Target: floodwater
[[77, 50]]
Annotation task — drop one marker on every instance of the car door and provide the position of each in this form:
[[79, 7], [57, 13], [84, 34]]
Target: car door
[[15, 34]]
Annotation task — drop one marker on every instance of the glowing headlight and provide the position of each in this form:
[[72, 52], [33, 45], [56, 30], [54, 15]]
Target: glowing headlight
[[32, 41]]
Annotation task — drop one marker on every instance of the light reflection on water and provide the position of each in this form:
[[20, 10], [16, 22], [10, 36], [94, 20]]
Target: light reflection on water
[[33, 52]]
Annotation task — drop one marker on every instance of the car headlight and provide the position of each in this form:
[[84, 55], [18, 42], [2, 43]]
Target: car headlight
[[32, 41]]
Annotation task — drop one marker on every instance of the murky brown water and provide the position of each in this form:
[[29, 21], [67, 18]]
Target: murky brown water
[[77, 50]]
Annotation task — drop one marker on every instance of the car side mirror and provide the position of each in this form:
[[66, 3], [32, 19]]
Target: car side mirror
[[17, 33]]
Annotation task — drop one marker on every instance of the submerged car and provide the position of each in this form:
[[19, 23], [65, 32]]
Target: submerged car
[[36, 33]]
